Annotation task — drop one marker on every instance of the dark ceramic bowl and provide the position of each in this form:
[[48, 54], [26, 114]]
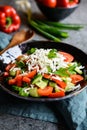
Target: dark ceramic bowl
[[14, 52], [57, 13]]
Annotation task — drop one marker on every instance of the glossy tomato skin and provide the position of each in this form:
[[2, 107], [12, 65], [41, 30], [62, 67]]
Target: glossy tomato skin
[[76, 78], [50, 3], [68, 57], [76, 1]]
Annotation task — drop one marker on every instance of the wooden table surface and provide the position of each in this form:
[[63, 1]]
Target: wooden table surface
[[77, 38]]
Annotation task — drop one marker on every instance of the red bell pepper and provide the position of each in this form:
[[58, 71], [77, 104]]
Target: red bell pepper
[[9, 19]]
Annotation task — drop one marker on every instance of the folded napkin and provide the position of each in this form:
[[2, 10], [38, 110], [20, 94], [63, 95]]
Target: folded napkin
[[4, 40], [71, 112]]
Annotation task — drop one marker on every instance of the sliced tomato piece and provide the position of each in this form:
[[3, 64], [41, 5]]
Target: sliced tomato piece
[[46, 91], [76, 78], [26, 79], [68, 57], [31, 74], [6, 74], [12, 81], [62, 84], [57, 94], [19, 80], [47, 76]]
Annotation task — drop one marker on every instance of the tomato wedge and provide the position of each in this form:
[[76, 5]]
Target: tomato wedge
[[46, 91], [76, 78], [57, 94], [68, 57]]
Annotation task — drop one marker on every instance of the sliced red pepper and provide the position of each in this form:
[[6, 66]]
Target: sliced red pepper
[[9, 19], [57, 94]]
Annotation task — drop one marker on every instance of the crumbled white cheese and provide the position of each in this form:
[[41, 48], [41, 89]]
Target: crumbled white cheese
[[39, 59]]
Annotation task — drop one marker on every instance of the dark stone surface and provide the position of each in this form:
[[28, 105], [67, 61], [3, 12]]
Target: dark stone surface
[[77, 38]]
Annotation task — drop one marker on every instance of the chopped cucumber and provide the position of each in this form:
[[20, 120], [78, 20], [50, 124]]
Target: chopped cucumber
[[54, 85], [12, 73], [42, 83], [78, 70], [33, 92], [37, 78]]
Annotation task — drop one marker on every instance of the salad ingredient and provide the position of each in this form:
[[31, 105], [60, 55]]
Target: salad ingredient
[[65, 26], [43, 72], [46, 91], [34, 92], [50, 3], [31, 74], [62, 84], [9, 19], [52, 30], [68, 57], [76, 78], [45, 33], [57, 94]]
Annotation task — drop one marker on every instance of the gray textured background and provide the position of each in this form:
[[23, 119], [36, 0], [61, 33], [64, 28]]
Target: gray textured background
[[77, 38]]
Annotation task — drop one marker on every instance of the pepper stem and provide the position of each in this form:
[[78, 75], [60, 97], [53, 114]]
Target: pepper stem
[[8, 21]]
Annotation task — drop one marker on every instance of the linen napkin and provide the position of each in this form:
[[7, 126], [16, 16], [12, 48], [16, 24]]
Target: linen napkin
[[71, 112], [4, 40]]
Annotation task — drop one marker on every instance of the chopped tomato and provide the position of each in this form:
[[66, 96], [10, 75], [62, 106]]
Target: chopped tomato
[[62, 84], [19, 80], [68, 57], [32, 73], [47, 76], [26, 79], [50, 3], [11, 81], [76, 78], [57, 94], [6, 74], [8, 67], [46, 91]]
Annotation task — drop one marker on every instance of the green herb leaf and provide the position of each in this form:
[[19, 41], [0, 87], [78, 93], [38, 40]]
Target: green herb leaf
[[52, 53], [31, 51], [62, 72]]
